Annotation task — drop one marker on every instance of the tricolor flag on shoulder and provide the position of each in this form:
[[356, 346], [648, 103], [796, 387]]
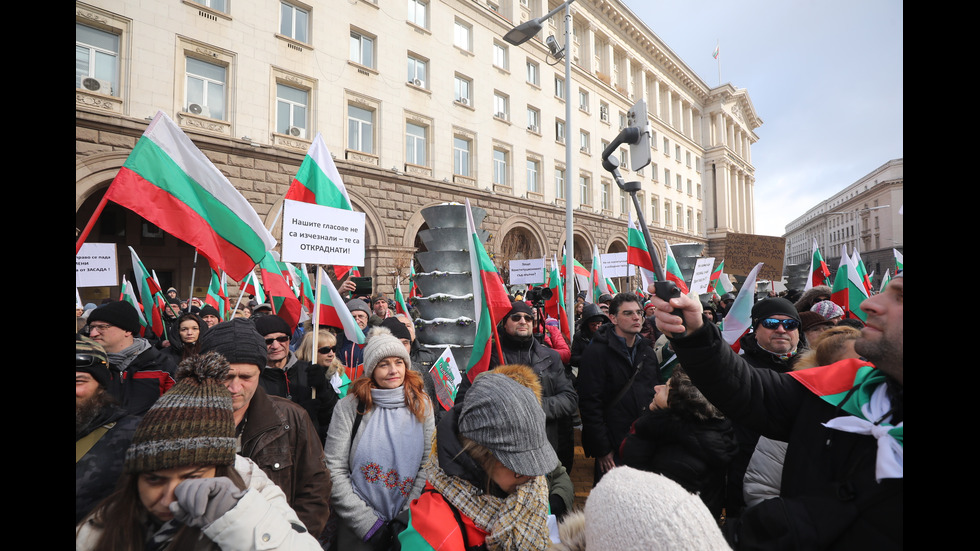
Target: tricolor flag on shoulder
[[318, 181], [672, 271], [739, 318], [446, 379], [149, 292], [334, 312], [490, 301], [169, 182], [400, 306], [819, 273]]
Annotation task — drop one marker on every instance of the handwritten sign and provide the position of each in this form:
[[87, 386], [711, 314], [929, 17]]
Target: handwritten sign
[[528, 271], [702, 275], [744, 251]]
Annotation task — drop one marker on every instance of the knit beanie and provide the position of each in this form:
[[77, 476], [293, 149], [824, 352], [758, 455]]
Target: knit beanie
[[397, 328], [827, 309], [238, 341], [119, 313], [91, 358], [191, 424], [382, 344], [272, 324], [519, 307], [631, 509], [504, 416], [355, 304], [773, 307], [208, 310]]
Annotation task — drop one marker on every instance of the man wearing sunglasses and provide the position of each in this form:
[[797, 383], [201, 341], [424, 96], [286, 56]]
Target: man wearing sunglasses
[[842, 483], [774, 342]]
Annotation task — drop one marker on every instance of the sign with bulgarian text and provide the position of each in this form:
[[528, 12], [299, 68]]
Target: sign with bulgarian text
[[96, 265], [315, 234], [702, 275], [614, 265], [529, 271]]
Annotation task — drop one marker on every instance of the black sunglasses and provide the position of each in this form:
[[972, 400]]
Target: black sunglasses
[[518, 317], [326, 349], [88, 360], [284, 338], [772, 323]]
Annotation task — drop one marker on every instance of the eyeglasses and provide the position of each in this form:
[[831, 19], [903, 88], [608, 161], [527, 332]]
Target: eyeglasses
[[773, 323], [282, 339], [631, 313], [518, 317], [88, 360], [326, 349], [100, 327]]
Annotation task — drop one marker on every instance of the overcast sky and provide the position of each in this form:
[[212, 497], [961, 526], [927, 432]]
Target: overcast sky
[[825, 78]]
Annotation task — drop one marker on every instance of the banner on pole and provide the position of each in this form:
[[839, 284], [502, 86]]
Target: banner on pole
[[529, 271], [702, 275], [314, 234], [614, 265]]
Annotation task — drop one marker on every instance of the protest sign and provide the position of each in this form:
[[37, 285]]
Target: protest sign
[[315, 234], [702, 275], [528, 271], [614, 265], [96, 265]]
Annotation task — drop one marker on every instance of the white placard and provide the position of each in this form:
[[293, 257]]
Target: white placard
[[322, 235], [529, 271], [614, 265], [702, 275], [96, 265]]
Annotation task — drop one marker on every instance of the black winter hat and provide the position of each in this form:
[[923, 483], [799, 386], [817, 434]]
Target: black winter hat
[[119, 313], [773, 307], [272, 324], [238, 341]]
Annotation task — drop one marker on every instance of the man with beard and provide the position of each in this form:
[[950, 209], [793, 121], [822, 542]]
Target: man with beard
[[103, 429], [843, 478]]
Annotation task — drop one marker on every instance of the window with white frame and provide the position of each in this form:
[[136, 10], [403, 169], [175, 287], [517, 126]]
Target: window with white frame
[[667, 177], [559, 183], [418, 13], [500, 56], [206, 88], [604, 196], [687, 157], [533, 73], [624, 206], [362, 49], [583, 141], [584, 190], [463, 35], [533, 176], [624, 159], [667, 147], [418, 71], [653, 139], [654, 171], [700, 228], [462, 152], [216, 5], [415, 151], [622, 120], [679, 188], [559, 87], [500, 167], [654, 209], [666, 213], [360, 129], [292, 110], [603, 111], [501, 105], [583, 100], [533, 120], [680, 217], [464, 90], [690, 219], [96, 60], [559, 130], [294, 22], [690, 186], [677, 153], [699, 190]]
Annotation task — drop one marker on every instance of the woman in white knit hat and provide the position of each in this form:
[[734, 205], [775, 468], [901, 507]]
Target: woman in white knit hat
[[378, 438]]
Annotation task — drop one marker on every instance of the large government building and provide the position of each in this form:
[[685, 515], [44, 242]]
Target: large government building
[[420, 102], [865, 216]]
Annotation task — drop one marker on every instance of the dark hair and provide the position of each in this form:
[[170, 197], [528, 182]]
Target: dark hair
[[620, 299], [189, 349], [122, 518], [685, 399]]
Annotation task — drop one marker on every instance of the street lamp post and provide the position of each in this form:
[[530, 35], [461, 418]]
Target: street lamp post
[[517, 36]]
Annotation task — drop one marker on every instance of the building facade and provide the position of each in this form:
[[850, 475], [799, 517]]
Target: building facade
[[420, 102], [866, 216]]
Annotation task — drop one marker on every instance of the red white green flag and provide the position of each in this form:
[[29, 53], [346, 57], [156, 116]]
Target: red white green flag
[[862, 272], [819, 272], [334, 312], [281, 297], [170, 183], [638, 254], [716, 278], [302, 286], [400, 306], [413, 291], [217, 297], [446, 379], [848, 290], [251, 287], [555, 306], [598, 282], [672, 272], [899, 261], [128, 295], [318, 181], [149, 292], [490, 301], [884, 281], [739, 318]]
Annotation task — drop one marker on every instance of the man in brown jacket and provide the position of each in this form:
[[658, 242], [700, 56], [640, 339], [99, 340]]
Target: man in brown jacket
[[274, 432]]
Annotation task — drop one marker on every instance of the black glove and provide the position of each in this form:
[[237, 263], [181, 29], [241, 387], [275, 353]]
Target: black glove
[[201, 501], [381, 539], [316, 376]]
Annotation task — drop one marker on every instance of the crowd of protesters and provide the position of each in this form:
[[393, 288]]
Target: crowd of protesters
[[238, 434]]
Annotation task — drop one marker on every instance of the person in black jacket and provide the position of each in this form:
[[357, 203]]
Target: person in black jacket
[[684, 438], [843, 478], [591, 320], [616, 381]]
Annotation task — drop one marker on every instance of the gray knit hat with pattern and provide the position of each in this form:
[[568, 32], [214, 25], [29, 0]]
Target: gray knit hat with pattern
[[382, 344], [238, 341], [191, 424]]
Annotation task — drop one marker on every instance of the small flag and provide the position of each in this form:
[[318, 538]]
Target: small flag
[[717, 51], [446, 379], [739, 318], [819, 273], [400, 306], [149, 292], [672, 271]]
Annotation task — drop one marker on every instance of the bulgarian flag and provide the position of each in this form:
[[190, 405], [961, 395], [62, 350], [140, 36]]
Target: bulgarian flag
[[555, 306], [738, 321], [250, 287], [599, 285], [848, 289], [884, 282], [302, 286], [149, 292], [333, 311], [819, 273], [170, 183], [862, 271], [717, 280], [128, 295], [400, 306], [490, 301], [672, 272], [611, 286], [217, 297], [899, 261], [414, 290], [281, 297], [638, 254], [319, 182]]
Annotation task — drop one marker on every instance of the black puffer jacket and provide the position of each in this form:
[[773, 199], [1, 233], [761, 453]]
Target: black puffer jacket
[[695, 454]]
